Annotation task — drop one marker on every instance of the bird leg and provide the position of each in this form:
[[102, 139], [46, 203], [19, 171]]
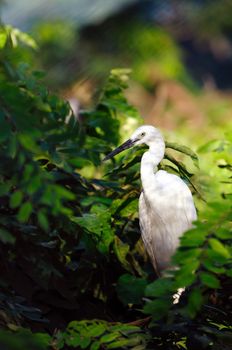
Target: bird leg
[[177, 295]]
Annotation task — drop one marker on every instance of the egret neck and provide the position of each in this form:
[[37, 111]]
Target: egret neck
[[150, 161]]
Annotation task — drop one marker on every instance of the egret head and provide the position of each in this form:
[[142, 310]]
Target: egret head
[[145, 134]]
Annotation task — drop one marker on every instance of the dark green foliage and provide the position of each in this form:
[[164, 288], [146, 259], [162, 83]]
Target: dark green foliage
[[97, 334], [69, 234], [131, 289], [204, 262], [24, 339]]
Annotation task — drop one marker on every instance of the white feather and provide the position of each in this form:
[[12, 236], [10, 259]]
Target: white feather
[[166, 207], [166, 211]]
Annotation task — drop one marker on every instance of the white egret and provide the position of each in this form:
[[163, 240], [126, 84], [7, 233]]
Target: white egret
[[166, 207]]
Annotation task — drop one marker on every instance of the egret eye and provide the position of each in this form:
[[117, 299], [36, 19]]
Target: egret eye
[[143, 134]]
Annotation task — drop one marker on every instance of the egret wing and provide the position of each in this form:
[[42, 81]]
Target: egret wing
[[166, 211], [146, 229]]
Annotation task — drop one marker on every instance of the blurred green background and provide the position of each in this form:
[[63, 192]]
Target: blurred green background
[[180, 53]]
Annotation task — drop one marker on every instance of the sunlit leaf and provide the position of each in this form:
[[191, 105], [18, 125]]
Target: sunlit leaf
[[3, 38], [16, 35], [218, 247], [96, 330], [121, 250], [185, 150], [109, 337]]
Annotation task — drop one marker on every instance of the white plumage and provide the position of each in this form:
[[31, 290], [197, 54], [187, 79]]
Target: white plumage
[[166, 207]]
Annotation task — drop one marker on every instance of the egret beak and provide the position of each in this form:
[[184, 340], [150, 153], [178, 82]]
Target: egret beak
[[128, 144]]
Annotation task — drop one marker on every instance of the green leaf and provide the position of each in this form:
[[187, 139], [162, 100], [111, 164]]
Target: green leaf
[[185, 256], [16, 199], [24, 38], [84, 342], [157, 308], [184, 279], [185, 150], [209, 280], [95, 345], [193, 238], [228, 273], [131, 289], [91, 200], [13, 146], [79, 162], [73, 339], [195, 301], [64, 193], [140, 347], [120, 344], [159, 288], [121, 72], [5, 188], [130, 342], [96, 330], [6, 236], [223, 233], [42, 219], [211, 266], [98, 224], [43, 339], [186, 274], [121, 250], [5, 129], [3, 38], [24, 339], [130, 209], [214, 256], [29, 143], [218, 247], [25, 212], [125, 328], [109, 337]]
